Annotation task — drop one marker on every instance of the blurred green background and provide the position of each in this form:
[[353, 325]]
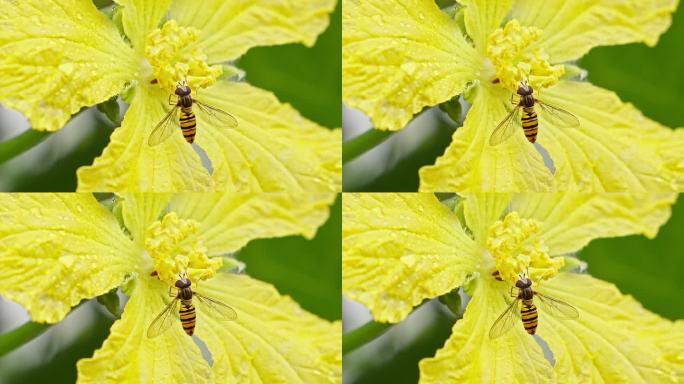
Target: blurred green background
[[650, 270], [306, 270], [307, 78]]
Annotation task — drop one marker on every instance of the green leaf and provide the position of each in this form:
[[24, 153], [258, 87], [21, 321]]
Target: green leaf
[[110, 108], [110, 300]]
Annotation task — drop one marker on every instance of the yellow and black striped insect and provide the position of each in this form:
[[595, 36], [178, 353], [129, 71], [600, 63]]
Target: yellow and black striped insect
[[187, 120], [186, 312], [528, 311], [529, 121]]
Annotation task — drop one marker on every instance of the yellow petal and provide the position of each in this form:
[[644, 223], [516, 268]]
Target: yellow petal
[[670, 340], [273, 339], [572, 28], [56, 250], [571, 220], [606, 343], [129, 164], [482, 210], [471, 164], [129, 356], [610, 151], [470, 356], [140, 17], [401, 56], [670, 147], [273, 148], [229, 220], [399, 249], [482, 17], [230, 28], [56, 58], [140, 210]]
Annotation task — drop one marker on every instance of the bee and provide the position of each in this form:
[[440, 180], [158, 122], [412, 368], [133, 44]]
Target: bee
[[529, 120], [187, 120], [186, 312], [528, 311]]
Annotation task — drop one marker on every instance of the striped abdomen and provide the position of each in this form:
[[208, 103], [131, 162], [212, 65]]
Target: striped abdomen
[[188, 124], [187, 316], [528, 313], [530, 123]]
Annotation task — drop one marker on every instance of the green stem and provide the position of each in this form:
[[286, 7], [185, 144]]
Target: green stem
[[20, 336], [362, 335], [362, 143], [20, 143]]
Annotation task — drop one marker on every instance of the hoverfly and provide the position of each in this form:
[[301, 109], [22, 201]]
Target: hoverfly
[[187, 120], [186, 313], [529, 120], [528, 311]]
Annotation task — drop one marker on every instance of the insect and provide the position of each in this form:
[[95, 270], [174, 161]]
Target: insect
[[187, 119], [187, 313], [529, 120], [528, 311]]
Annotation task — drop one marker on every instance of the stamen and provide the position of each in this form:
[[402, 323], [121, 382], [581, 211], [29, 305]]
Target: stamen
[[513, 53], [175, 250], [169, 52], [518, 251]]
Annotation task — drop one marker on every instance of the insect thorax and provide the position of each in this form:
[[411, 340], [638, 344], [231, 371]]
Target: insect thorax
[[527, 101], [185, 102]]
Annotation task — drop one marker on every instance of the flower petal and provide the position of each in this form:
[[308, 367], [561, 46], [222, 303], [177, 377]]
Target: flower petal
[[129, 164], [399, 249], [611, 150], [572, 28], [140, 210], [230, 28], [672, 152], [140, 17], [609, 341], [57, 58], [471, 164], [129, 356], [230, 220], [482, 210], [571, 220], [58, 249], [401, 56], [470, 356], [272, 341], [273, 148], [482, 17]]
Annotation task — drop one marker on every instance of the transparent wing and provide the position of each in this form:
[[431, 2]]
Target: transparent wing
[[558, 116], [216, 308], [164, 320], [557, 308], [217, 116], [164, 129], [505, 321], [506, 127]]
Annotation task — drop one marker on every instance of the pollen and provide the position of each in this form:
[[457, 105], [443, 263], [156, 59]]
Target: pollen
[[517, 250], [517, 58], [172, 243], [173, 57]]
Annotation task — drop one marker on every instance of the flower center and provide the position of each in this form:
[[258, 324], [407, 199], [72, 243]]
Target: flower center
[[518, 251], [175, 250], [171, 62], [511, 50]]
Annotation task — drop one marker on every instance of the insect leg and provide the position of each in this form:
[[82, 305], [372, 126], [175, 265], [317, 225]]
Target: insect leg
[[172, 102]]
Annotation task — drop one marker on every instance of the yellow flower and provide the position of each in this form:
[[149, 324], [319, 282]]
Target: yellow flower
[[59, 249], [402, 56], [57, 58], [401, 249]]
